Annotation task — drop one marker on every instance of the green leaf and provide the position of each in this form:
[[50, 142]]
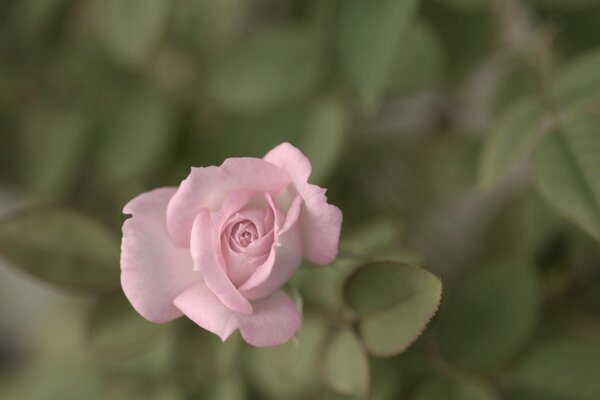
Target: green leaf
[[266, 69], [490, 316], [394, 302], [567, 171], [54, 141], [346, 365], [117, 332], [368, 38], [61, 247], [137, 141], [578, 85], [131, 29], [419, 63], [463, 388], [511, 141], [290, 370], [561, 368]]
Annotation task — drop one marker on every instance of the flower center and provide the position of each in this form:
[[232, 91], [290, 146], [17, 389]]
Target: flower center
[[245, 238], [244, 233]]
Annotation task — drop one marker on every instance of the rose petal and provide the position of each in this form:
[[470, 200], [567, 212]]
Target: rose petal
[[321, 225], [290, 159], [284, 259], [206, 254], [274, 321], [208, 187], [153, 270], [321, 222], [234, 202], [240, 266]]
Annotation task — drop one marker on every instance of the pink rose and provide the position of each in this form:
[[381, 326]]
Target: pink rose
[[218, 248]]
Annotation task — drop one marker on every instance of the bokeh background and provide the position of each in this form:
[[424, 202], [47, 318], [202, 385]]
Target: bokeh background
[[459, 135]]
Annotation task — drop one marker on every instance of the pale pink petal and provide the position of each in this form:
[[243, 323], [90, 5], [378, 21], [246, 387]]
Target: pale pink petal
[[208, 187], [206, 254], [232, 204], [274, 321], [291, 160], [153, 270], [321, 222], [283, 261], [321, 225], [240, 266], [201, 305]]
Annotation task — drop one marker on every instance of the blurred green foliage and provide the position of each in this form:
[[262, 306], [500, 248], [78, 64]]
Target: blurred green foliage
[[459, 135]]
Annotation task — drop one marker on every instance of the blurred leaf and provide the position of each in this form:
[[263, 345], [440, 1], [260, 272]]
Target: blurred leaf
[[566, 5], [323, 137], [466, 37], [346, 365], [419, 63], [368, 38], [116, 331], [231, 387], [561, 368], [193, 355], [226, 353], [578, 84], [211, 25], [567, 171], [290, 370], [511, 140], [132, 28], [59, 367], [266, 69], [319, 130], [54, 142], [525, 395], [394, 303], [460, 388], [387, 380], [34, 17], [520, 80], [137, 141], [467, 5], [375, 235], [490, 316], [140, 390], [61, 247]]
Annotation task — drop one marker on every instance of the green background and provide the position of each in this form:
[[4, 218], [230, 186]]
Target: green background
[[460, 138]]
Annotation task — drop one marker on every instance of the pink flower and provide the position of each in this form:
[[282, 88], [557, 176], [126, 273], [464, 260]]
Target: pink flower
[[218, 248]]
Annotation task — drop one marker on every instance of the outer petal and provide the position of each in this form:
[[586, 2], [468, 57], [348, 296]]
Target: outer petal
[[208, 187], [274, 321], [321, 222], [153, 270], [321, 225], [284, 259], [206, 255], [201, 305], [290, 159]]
